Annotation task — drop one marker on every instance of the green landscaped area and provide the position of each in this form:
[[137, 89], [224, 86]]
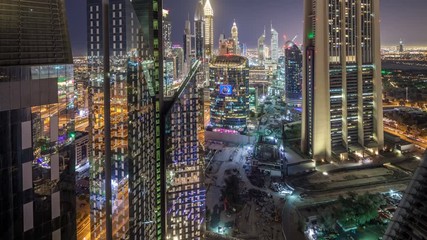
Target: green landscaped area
[[353, 216]]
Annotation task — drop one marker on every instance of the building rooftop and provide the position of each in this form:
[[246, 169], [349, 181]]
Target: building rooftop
[[229, 60]]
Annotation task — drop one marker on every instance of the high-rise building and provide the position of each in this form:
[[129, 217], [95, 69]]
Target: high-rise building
[[151, 218], [293, 74], [199, 31], [229, 87], [400, 47], [167, 33], [261, 49], [168, 73], [235, 37], [341, 79], [243, 49], [134, 177], [188, 47], [209, 28], [409, 220], [278, 87], [274, 46], [37, 167], [184, 164], [178, 55], [227, 46]]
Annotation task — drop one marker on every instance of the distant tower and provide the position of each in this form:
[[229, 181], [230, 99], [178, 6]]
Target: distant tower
[[274, 47], [293, 77], [342, 88], [261, 45], [235, 36], [187, 41], [209, 28], [167, 31], [199, 31], [401, 49]]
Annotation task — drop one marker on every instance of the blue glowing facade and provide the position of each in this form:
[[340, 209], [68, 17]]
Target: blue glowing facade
[[229, 88]]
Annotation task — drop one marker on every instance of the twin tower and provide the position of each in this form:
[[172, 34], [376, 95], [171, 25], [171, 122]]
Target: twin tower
[[342, 89]]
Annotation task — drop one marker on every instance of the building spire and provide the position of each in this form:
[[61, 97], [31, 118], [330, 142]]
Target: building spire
[[208, 9]]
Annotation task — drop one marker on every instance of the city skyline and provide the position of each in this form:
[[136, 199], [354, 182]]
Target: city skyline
[[163, 125], [286, 17]]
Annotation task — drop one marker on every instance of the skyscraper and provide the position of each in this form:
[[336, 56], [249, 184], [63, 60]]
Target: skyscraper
[[178, 55], [229, 87], [235, 37], [132, 118], [261, 48], [229, 46], [209, 28], [279, 85], [342, 105], [274, 46], [153, 194], [188, 48], [409, 220], [400, 47], [167, 32], [293, 73], [37, 168], [123, 41], [184, 164], [199, 31]]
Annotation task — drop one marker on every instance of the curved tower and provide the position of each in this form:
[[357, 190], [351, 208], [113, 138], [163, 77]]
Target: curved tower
[[209, 32], [229, 86]]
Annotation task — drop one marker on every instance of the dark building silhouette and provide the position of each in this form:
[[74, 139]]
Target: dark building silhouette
[[293, 73]]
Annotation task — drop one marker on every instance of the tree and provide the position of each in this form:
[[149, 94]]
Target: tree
[[359, 209]]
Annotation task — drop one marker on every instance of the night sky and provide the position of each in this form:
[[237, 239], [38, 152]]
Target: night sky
[[400, 19]]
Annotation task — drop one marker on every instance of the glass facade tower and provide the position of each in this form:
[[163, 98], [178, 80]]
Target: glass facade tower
[[342, 79], [133, 124], [199, 31], [209, 28], [229, 87], [37, 168], [293, 73], [184, 164]]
